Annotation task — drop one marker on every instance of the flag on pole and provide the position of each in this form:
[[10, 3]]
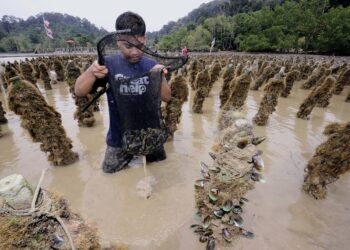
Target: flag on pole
[[48, 30], [212, 45]]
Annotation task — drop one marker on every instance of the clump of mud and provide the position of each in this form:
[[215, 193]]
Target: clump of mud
[[42, 121], [331, 159]]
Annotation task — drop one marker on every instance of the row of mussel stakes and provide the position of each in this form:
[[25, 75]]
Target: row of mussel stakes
[[219, 194]]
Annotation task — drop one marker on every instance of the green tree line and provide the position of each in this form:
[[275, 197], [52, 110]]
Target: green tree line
[[320, 26], [18, 35]]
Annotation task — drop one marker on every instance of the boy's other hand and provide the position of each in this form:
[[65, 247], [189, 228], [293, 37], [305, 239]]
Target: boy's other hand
[[98, 71]]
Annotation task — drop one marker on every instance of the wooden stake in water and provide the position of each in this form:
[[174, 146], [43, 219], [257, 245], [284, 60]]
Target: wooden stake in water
[[144, 187]]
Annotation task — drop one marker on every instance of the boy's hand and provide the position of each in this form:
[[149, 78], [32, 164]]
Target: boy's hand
[[162, 67], [98, 71]]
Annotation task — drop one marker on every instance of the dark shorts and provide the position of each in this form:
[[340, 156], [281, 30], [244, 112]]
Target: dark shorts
[[117, 159]]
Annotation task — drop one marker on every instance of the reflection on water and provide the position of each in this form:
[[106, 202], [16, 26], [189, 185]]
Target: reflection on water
[[281, 216]]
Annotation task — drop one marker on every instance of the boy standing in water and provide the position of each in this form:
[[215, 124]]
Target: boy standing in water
[[128, 63]]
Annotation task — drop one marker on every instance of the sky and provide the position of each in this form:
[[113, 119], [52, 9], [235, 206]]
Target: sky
[[103, 13]]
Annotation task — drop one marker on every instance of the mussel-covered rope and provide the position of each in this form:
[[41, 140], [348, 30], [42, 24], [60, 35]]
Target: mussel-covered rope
[[35, 210]]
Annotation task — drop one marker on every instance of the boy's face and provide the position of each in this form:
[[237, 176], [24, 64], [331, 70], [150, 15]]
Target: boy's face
[[130, 52]]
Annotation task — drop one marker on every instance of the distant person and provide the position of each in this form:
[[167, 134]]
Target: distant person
[[185, 51], [127, 63]]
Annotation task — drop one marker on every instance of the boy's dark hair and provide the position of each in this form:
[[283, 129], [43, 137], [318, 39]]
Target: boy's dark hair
[[133, 21]]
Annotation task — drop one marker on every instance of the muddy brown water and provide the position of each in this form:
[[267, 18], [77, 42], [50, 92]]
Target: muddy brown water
[[278, 212]]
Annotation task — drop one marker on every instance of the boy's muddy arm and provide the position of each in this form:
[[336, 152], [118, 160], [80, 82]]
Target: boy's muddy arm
[[165, 92], [85, 81]]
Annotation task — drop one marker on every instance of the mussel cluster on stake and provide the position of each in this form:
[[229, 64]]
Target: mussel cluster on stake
[[59, 69], [314, 78], [316, 96], [27, 72], [84, 118], [239, 91], [179, 94], [201, 84], [219, 194], [44, 75], [331, 159], [324, 100], [343, 80], [42, 121], [214, 76], [268, 104], [194, 68], [10, 72], [289, 81], [227, 77], [265, 76], [3, 119]]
